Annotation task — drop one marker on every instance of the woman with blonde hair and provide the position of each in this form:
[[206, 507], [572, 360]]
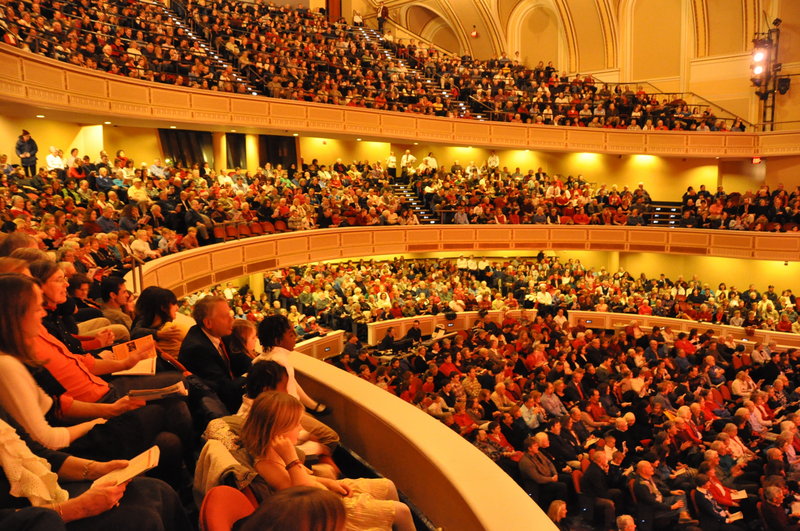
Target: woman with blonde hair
[[270, 434], [557, 512]]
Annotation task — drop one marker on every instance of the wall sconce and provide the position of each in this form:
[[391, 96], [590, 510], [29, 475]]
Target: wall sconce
[[474, 32]]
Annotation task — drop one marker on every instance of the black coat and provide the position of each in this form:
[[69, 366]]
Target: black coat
[[594, 482], [199, 355]]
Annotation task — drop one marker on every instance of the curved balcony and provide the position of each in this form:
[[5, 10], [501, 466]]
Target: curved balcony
[[40, 82], [193, 270], [430, 463]]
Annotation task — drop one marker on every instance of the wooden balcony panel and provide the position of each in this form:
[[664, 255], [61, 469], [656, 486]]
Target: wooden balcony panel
[[470, 132], [288, 260], [462, 235], [325, 241], [287, 110], [648, 235], [362, 122], [730, 252], [81, 84], [130, 109], [321, 255], [88, 102], [402, 236], [732, 240], [47, 75], [207, 102], [259, 250], [569, 234], [586, 139], [690, 238], [195, 264], [13, 89], [494, 235], [777, 242], [423, 236], [292, 243], [611, 235], [250, 106], [171, 98], [227, 257], [531, 234], [128, 92]]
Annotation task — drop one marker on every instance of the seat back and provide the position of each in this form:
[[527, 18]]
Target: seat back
[[760, 509], [222, 507]]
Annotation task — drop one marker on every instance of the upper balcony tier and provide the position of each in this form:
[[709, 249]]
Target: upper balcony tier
[[77, 94]]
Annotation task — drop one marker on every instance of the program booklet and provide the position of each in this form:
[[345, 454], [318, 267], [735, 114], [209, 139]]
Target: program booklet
[[147, 366], [171, 391], [136, 466]]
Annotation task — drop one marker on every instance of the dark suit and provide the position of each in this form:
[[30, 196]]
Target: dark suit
[[649, 509], [199, 355], [594, 487], [777, 519], [708, 512]]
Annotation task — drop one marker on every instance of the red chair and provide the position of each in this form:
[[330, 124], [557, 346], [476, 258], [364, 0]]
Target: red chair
[[222, 507], [256, 229], [231, 231], [268, 227], [280, 226], [244, 230], [219, 232]]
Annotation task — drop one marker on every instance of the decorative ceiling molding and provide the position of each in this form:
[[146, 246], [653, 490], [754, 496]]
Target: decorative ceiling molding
[[606, 13], [700, 15], [569, 33]]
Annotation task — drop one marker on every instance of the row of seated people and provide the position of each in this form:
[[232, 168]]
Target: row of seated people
[[347, 296], [297, 54], [509, 91], [136, 40], [293, 53], [69, 417], [464, 196], [599, 424]]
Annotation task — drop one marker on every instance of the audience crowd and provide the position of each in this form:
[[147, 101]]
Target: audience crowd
[[347, 296], [139, 40], [295, 53], [601, 426]]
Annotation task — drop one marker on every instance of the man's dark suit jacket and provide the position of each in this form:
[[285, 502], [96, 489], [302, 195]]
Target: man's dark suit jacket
[[594, 482], [199, 355]]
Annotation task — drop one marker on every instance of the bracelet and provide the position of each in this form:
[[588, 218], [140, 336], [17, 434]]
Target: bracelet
[[292, 464], [86, 467]]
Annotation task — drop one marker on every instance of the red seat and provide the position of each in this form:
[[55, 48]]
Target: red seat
[[222, 507], [231, 231], [268, 227], [256, 229], [244, 230], [280, 226], [219, 232]]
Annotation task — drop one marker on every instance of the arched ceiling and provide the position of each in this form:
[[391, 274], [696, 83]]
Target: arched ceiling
[[591, 35]]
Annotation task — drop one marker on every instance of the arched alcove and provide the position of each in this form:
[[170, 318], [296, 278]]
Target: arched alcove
[[535, 31], [432, 27]]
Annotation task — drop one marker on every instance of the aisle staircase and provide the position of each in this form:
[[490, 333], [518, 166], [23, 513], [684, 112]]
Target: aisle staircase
[[431, 85], [664, 214], [406, 193]]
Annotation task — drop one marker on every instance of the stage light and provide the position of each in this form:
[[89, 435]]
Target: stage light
[[759, 56], [758, 70]]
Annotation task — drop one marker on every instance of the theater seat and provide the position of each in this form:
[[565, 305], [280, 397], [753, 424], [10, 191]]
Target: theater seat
[[268, 227], [222, 507], [256, 229], [280, 226]]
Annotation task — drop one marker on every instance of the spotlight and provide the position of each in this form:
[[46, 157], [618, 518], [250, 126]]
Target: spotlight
[[758, 70]]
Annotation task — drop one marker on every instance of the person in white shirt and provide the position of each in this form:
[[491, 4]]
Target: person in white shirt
[[278, 338], [493, 162], [54, 160], [406, 161]]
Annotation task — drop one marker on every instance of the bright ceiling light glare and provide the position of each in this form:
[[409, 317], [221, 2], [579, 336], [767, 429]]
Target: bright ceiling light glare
[[758, 70], [643, 160], [173, 127], [759, 56], [587, 158], [107, 123], [295, 134], [40, 115], [416, 143], [358, 140]]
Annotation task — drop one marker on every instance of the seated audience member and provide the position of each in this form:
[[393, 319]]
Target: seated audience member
[[119, 430], [116, 301], [55, 489], [594, 485], [775, 515], [302, 508], [154, 315], [270, 434], [278, 340], [205, 354], [712, 516], [539, 476], [656, 505], [89, 315]]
